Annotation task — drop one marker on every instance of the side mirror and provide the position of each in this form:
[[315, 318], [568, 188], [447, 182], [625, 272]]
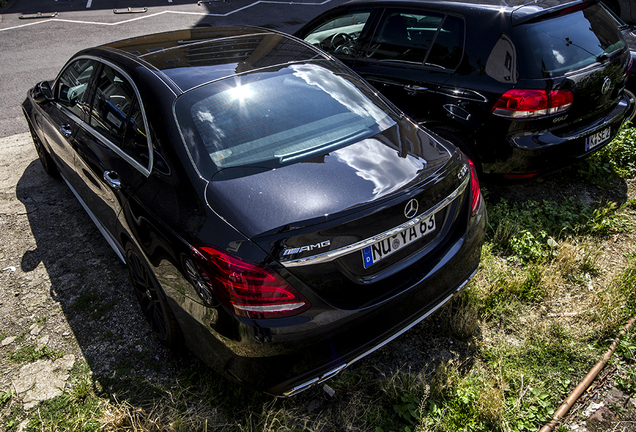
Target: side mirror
[[42, 92]]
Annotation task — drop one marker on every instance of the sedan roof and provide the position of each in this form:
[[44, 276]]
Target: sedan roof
[[192, 57]]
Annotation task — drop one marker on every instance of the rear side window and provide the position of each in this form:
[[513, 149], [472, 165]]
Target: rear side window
[[446, 51], [116, 115], [274, 117], [566, 43]]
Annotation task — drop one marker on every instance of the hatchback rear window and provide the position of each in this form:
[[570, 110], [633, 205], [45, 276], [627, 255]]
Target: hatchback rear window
[[277, 116], [567, 42]]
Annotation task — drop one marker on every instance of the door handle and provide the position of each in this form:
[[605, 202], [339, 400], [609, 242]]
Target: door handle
[[112, 179], [415, 89], [66, 130]]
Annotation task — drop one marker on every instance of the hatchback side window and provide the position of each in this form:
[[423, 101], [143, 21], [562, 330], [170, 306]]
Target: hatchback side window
[[339, 34], [72, 85], [404, 36], [116, 114], [448, 46]]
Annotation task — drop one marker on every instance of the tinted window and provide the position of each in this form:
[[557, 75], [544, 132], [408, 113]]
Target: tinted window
[[339, 33], [447, 49], [567, 42], [502, 61], [403, 36], [72, 85], [271, 118], [116, 114]]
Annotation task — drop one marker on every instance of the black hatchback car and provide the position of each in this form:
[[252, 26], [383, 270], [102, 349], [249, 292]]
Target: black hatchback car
[[524, 87], [274, 213]]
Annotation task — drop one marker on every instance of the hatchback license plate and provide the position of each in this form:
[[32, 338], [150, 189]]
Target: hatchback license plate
[[598, 138], [382, 249]]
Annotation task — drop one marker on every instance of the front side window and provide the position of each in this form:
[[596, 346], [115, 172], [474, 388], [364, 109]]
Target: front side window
[[421, 38], [275, 117], [339, 34], [72, 86], [567, 42], [116, 114]]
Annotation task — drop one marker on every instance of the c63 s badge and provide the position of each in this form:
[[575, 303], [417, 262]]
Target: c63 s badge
[[308, 248]]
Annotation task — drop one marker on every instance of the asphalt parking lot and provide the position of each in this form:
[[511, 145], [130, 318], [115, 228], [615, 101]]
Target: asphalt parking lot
[[33, 48]]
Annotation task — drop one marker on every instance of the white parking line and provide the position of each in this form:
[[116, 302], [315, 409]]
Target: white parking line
[[290, 3]]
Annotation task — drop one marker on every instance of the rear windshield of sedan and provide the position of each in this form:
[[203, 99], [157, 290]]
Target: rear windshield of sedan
[[277, 116], [567, 42]]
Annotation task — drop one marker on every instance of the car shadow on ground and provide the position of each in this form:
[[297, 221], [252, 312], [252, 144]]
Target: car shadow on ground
[[90, 285], [568, 183]]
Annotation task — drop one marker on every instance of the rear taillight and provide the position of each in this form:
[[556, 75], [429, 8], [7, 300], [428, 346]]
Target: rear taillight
[[520, 104], [474, 185], [247, 289]]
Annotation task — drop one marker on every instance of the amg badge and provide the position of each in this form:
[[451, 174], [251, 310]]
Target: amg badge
[[307, 248]]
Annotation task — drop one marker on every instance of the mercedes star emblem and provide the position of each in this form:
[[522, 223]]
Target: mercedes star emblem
[[411, 208]]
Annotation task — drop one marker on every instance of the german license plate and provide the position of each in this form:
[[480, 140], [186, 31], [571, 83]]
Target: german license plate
[[598, 138], [384, 248]]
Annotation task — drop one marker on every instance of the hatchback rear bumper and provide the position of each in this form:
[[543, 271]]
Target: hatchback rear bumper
[[548, 151]]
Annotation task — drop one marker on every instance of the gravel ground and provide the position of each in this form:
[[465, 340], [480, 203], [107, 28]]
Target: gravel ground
[[61, 286]]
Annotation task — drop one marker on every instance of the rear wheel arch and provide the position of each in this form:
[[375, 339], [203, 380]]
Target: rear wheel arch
[[152, 298]]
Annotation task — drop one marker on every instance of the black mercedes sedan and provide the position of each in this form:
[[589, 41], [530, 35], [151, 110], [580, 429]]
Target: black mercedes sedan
[[277, 217], [523, 87]]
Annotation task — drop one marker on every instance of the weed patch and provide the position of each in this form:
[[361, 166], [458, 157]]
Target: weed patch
[[30, 353]]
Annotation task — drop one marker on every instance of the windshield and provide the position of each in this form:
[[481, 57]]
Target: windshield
[[278, 116], [567, 42]]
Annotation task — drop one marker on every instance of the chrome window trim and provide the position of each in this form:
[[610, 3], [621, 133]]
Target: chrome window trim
[[337, 253], [108, 143]]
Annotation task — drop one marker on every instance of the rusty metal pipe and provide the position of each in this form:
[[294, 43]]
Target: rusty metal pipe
[[587, 381]]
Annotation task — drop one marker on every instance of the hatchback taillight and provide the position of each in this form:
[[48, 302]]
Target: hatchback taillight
[[520, 104], [474, 183], [247, 289]]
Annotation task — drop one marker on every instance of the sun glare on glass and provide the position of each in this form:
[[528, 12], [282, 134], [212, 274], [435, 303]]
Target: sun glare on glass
[[240, 93]]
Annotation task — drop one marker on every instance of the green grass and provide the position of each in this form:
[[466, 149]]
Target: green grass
[[30, 353]]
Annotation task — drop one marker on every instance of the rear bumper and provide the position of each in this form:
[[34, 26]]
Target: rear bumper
[[546, 151], [316, 377]]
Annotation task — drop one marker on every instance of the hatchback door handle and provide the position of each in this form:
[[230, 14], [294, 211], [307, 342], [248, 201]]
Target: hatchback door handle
[[66, 130], [112, 179]]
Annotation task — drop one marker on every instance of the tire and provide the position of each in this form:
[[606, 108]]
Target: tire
[[151, 299], [456, 138], [45, 158]]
